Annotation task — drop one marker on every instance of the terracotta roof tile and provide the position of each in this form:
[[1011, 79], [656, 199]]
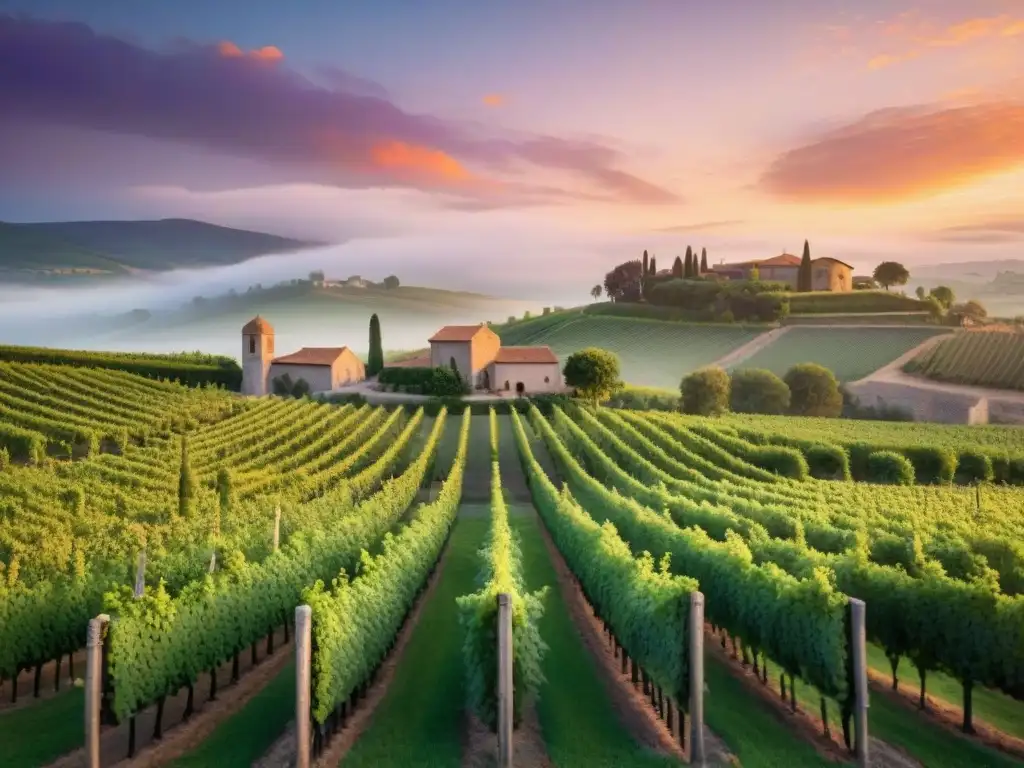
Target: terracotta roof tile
[[829, 258], [782, 260], [519, 355], [257, 325], [457, 333], [311, 356]]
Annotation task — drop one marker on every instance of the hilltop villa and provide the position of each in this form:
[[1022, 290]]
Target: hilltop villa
[[827, 274], [476, 353], [323, 368]]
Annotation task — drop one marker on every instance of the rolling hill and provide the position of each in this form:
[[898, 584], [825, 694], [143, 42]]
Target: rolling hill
[[51, 250]]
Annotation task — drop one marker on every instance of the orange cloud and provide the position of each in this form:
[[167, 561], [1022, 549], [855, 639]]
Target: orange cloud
[[494, 100], [901, 154], [229, 49], [267, 53], [402, 158], [919, 37]]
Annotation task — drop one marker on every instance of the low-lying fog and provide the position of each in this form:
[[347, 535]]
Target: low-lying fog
[[91, 312]]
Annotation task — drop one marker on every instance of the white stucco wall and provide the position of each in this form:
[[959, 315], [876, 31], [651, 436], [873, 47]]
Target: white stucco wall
[[318, 377], [532, 375], [441, 353]]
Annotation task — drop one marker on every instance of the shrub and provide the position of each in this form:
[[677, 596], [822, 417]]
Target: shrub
[[828, 462], [889, 468], [973, 466], [440, 382], [932, 464], [644, 399], [814, 391], [756, 390], [784, 461], [705, 392]]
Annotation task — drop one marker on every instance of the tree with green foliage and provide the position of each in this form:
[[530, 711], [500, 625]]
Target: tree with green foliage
[[375, 359], [593, 373], [654, 266], [391, 282], [703, 260], [677, 268], [595, 292], [224, 491], [804, 278], [756, 390], [891, 273], [919, 292], [943, 295], [705, 392], [186, 481], [814, 391], [646, 264], [688, 263]]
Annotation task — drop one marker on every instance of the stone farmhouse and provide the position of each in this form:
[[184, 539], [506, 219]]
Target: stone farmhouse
[[484, 364], [323, 368], [827, 274]]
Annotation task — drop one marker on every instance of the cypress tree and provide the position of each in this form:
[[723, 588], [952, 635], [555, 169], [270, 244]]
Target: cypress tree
[[677, 268], [654, 266], [646, 264], [375, 359], [688, 263], [703, 260], [186, 483], [804, 281]]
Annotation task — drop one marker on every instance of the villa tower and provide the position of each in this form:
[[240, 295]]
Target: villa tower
[[257, 354]]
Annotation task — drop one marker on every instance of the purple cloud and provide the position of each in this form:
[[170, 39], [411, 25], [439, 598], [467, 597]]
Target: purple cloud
[[252, 107]]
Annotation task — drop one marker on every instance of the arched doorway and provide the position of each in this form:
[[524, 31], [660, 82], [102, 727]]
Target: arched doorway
[[520, 388], [485, 380]]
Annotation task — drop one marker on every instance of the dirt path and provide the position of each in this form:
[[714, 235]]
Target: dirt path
[[47, 685], [180, 737], [630, 704], [893, 373], [804, 721], [749, 349]]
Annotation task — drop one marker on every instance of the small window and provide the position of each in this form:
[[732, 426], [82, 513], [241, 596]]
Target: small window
[[507, 386], [547, 380], [252, 345]]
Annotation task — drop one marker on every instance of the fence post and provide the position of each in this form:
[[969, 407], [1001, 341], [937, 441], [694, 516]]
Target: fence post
[[303, 668], [858, 652], [504, 681], [697, 678], [140, 574], [94, 687]]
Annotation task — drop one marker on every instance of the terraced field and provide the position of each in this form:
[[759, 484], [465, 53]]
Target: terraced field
[[399, 529], [654, 353], [851, 353], [976, 358]]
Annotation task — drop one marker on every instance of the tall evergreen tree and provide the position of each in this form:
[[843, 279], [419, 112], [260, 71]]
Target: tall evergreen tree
[[804, 281], [703, 260], [375, 359], [677, 268], [654, 266], [646, 264], [688, 263]]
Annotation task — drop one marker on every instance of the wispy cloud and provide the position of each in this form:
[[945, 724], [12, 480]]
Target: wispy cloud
[[994, 231], [913, 36], [251, 105], [898, 154], [704, 226]]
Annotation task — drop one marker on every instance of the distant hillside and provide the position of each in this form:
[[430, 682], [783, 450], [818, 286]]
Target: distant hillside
[[51, 250]]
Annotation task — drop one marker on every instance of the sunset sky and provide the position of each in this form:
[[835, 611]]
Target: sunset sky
[[872, 128]]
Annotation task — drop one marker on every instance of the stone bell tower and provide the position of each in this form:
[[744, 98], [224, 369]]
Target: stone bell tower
[[257, 353]]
